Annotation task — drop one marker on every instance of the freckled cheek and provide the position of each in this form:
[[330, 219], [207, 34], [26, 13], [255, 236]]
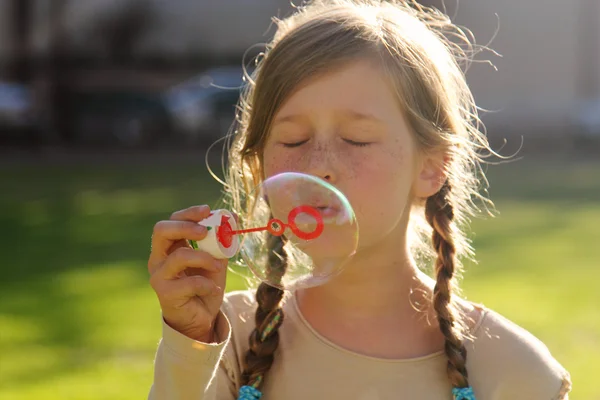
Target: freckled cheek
[[370, 170], [275, 163], [363, 180], [377, 184]]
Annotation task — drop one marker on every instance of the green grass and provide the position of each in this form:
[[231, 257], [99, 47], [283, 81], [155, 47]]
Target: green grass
[[78, 319]]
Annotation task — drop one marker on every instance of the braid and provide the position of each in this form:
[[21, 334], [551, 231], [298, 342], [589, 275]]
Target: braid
[[264, 339], [439, 213]]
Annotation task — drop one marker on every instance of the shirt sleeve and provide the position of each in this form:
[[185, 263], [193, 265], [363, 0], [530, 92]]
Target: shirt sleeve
[[541, 384], [565, 387], [509, 362], [188, 369], [538, 375]]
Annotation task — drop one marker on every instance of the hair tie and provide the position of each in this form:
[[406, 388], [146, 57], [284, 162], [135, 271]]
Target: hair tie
[[465, 393], [249, 393]]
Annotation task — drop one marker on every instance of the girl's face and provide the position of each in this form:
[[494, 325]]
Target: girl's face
[[346, 127]]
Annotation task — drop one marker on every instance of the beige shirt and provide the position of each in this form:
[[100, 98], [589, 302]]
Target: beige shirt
[[504, 362]]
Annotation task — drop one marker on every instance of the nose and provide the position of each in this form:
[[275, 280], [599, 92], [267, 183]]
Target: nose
[[320, 163], [322, 173]]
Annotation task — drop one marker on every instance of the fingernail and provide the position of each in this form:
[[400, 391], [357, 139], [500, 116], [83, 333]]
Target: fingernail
[[216, 291], [200, 229]]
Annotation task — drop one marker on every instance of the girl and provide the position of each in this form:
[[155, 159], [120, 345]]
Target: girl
[[368, 96]]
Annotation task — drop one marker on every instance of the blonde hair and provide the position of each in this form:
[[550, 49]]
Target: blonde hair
[[420, 51]]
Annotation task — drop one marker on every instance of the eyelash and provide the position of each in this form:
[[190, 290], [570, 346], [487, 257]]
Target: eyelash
[[292, 145], [357, 144], [353, 143]]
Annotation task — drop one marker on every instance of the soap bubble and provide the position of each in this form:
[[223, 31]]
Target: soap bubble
[[298, 231]]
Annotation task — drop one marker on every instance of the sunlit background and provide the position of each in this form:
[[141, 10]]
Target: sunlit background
[[107, 109]]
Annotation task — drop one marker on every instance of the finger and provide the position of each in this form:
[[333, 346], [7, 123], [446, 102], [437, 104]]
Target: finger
[[222, 265], [195, 214], [189, 287], [168, 232], [185, 257]]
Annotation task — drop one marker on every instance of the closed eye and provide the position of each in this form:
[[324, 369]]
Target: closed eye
[[295, 144], [351, 142], [357, 144]]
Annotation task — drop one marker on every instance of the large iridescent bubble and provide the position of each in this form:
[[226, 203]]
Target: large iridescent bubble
[[298, 231]]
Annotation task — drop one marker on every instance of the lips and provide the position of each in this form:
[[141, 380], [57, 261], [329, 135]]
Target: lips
[[320, 203], [328, 214], [327, 211]]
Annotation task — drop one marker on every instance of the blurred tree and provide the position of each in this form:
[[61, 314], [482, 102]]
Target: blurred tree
[[59, 69], [20, 66], [121, 29]]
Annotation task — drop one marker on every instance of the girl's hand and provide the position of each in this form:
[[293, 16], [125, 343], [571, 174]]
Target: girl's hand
[[189, 283]]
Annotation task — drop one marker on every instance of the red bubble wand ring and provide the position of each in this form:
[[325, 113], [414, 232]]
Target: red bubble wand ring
[[275, 226]]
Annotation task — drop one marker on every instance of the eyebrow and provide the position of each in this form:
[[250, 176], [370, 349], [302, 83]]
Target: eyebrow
[[348, 114]]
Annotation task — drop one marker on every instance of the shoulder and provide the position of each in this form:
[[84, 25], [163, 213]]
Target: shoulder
[[506, 359]]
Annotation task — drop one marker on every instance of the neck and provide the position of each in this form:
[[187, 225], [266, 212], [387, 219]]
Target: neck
[[380, 280]]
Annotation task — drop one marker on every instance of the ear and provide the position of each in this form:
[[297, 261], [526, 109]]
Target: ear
[[431, 174]]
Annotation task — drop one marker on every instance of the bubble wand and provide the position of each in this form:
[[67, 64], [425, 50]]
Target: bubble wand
[[222, 239]]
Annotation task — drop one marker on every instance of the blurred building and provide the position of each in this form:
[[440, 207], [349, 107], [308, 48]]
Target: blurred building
[[167, 28], [550, 61], [550, 48]]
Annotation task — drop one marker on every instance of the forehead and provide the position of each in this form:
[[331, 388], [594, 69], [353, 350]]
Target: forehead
[[359, 87]]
